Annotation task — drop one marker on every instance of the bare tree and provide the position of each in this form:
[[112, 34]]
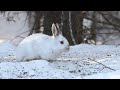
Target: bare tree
[[77, 25], [72, 23], [71, 32], [93, 27]]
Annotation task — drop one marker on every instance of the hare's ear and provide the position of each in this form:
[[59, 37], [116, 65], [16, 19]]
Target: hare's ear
[[59, 28], [55, 30]]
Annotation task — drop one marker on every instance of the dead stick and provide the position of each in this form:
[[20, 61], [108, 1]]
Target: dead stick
[[103, 65]]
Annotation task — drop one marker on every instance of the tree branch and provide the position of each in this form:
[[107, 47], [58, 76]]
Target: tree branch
[[108, 21], [19, 35]]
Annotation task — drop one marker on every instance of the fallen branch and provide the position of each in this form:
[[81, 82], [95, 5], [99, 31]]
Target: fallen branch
[[103, 65]]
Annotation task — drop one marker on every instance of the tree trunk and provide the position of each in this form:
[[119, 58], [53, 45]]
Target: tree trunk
[[93, 27], [34, 19], [50, 18], [77, 26], [66, 28], [39, 16]]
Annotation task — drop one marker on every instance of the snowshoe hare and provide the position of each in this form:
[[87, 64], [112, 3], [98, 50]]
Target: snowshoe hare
[[41, 46]]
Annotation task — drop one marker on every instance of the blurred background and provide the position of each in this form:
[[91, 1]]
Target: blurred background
[[88, 27]]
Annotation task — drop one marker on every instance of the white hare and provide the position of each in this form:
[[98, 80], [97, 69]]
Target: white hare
[[41, 46]]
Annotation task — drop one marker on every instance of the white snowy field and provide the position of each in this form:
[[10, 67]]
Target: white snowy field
[[81, 62]]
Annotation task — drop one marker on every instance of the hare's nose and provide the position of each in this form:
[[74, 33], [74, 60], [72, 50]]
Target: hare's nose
[[68, 48]]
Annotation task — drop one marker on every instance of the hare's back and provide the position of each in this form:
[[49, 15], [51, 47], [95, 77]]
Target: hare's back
[[37, 37]]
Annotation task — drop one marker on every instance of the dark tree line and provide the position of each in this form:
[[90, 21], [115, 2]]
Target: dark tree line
[[64, 18]]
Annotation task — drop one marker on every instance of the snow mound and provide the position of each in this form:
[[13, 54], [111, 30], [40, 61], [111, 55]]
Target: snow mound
[[81, 62], [7, 52], [38, 69], [109, 75]]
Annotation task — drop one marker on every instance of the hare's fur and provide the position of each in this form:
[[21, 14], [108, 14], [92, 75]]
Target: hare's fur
[[41, 46]]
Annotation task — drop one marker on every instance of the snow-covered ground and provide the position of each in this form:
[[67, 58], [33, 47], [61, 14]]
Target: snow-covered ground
[[81, 62]]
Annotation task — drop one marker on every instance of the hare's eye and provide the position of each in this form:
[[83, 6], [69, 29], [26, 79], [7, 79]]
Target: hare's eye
[[61, 42]]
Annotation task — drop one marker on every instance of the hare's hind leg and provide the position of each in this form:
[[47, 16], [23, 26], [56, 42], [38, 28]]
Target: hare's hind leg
[[38, 58]]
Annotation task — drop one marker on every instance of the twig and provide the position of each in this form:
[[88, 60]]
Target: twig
[[118, 45], [108, 21], [32, 29], [103, 65], [110, 40], [19, 35], [25, 21]]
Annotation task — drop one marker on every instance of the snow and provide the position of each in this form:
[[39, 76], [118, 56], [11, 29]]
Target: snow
[[109, 75], [81, 62]]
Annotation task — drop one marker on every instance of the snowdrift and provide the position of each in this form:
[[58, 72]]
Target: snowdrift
[[81, 62]]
